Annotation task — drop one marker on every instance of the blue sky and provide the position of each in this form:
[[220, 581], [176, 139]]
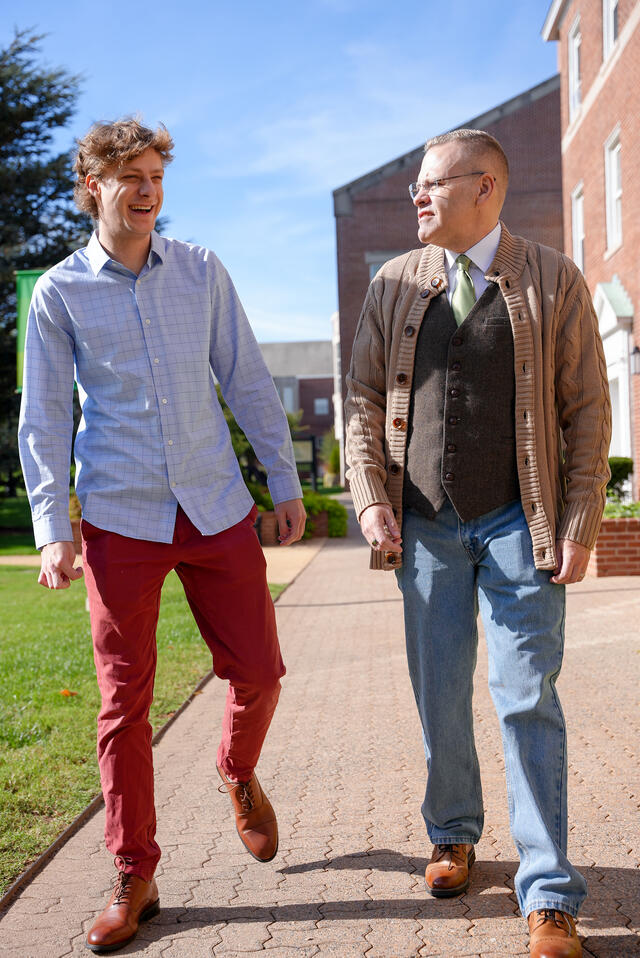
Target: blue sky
[[272, 106]]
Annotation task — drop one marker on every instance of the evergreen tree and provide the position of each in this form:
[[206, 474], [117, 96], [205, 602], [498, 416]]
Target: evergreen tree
[[39, 224]]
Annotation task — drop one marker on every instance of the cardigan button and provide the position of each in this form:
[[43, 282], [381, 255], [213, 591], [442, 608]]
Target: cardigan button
[[401, 378], [409, 330], [391, 557], [424, 294], [400, 424], [394, 468]]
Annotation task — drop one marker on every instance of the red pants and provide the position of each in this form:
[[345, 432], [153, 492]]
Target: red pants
[[225, 583]]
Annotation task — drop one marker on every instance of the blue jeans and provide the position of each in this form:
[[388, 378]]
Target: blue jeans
[[450, 569]]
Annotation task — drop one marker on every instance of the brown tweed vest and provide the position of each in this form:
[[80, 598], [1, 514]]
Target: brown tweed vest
[[461, 441]]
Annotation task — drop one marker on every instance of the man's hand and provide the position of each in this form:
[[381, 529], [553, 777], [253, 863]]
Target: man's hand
[[380, 529], [291, 518], [572, 563], [56, 569]]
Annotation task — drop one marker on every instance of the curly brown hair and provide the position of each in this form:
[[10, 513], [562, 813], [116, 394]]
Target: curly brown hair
[[111, 144]]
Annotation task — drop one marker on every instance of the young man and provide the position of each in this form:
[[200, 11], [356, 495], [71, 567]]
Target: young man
[[146, 323], [478, 430]]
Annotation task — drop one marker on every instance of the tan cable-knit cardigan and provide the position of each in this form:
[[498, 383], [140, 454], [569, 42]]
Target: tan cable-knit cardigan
[[562, 409]]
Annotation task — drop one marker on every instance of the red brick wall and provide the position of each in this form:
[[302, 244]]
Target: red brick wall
[[384, 219], [311, 389], [617, 550], [618, 103]]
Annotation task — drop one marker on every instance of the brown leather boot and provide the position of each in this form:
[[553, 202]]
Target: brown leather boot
[[133, 900], [447, 874], [553, 935], [255, 818]]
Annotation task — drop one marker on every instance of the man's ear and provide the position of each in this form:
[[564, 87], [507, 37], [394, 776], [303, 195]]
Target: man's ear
[[93, 185], [486, 188]]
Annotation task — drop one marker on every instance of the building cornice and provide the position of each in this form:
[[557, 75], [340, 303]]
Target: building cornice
[[550, 29]]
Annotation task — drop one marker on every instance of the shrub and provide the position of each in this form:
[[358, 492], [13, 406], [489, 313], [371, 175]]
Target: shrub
[[619, 510], [621, 468]]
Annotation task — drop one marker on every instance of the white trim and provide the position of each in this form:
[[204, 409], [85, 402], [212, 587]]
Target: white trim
[[615, 331], [574, 70], [552, 20], [609, 8], [577, 225], [613, 189], [596, 87]]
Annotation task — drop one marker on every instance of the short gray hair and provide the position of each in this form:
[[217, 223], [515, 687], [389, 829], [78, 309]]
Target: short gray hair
[[479, 142]]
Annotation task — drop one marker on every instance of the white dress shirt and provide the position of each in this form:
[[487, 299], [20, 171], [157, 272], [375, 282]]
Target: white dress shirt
[[481, 256]]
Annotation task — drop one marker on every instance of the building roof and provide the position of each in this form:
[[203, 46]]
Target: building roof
[[342, 195], [302, 359]]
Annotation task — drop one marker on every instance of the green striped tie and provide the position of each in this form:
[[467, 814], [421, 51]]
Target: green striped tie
[[464, 295]]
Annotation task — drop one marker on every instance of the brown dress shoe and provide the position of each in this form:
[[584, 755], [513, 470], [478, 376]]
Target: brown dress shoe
[[133, 900], [255, 818], [553, 935], [447, 874]]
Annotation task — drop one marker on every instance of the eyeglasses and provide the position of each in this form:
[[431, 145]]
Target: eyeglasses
[[431, 185]]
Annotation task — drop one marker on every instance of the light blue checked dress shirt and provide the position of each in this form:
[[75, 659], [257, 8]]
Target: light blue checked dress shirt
[[144, 351]]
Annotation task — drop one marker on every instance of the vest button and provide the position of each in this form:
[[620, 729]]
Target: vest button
[[453, 420], [456, 367], [401, 378], [457, 340], [449, 476], [399, 424], [451, 447], [409, 330], [454, 392], [394, 468]]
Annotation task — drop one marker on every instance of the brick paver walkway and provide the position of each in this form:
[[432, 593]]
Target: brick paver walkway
[[344, 767]]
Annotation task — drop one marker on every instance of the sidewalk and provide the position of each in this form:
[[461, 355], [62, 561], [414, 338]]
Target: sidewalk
[[344, 767]]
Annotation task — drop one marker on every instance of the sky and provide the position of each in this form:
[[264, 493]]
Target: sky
[[272, 106]]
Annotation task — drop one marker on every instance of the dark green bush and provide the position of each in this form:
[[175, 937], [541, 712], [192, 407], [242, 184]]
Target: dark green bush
[[621, 468]]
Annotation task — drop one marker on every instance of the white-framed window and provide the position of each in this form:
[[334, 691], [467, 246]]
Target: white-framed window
[[321, 406], [577, 226], [609, 27], [575, 75], [613, 189], [287, 399], [375, 260]]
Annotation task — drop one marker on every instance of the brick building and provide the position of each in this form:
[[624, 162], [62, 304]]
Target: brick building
[[303, 375], [599, 64], [375, 219]]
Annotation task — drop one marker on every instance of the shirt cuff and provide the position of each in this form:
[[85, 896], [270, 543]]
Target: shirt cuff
[[285, 488], [52, 529]]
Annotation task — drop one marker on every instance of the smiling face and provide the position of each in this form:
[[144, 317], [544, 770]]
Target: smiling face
[[129, 198], [461, 211]]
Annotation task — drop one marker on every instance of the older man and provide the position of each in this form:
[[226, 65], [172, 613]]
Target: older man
[[478, 430]]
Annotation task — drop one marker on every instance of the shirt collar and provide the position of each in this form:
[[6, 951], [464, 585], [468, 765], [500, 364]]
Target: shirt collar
[[99, 258], [482, 253]]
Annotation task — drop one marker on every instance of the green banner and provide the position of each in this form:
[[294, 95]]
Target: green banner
[[25, 281]]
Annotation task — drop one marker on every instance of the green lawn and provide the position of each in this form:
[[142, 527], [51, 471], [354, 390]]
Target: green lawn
[[15, 513], [48, 768]]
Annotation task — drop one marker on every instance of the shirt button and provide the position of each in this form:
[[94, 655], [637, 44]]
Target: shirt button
[[164, 402], [173, 485], [170, 443], [156, 361], [147, 322]]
